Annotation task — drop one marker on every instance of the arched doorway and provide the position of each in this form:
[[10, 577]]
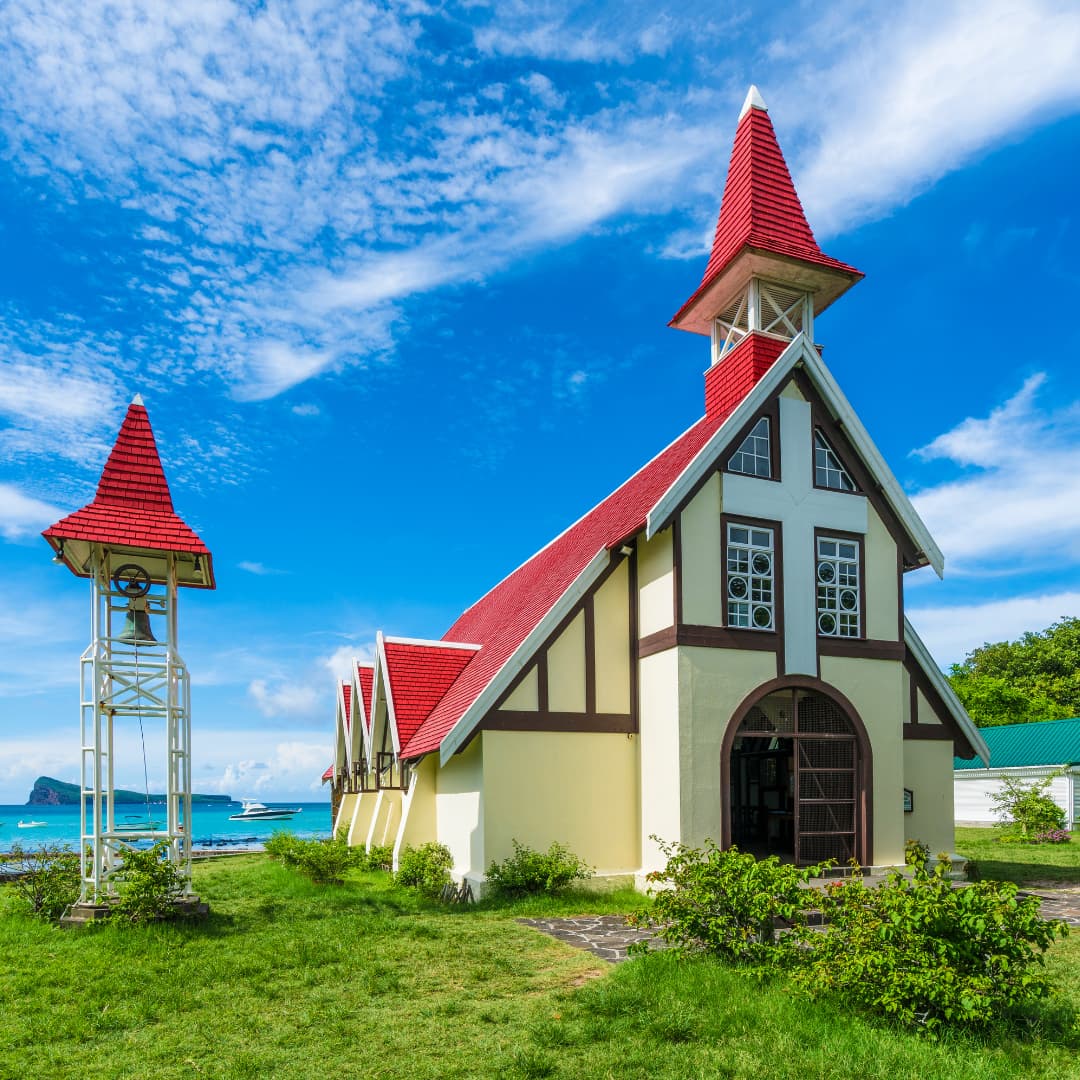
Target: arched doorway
[[797, 774]]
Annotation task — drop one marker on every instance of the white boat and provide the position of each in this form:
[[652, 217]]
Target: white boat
[[32, 824], [257, 811]]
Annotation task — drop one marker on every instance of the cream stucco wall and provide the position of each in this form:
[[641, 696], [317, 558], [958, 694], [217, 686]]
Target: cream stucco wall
[[524, 697], [712, 684], [385, 818], [656, 598], [360, 823], [876, 688], [928, 772], [658, 735], [459, 802], [882, 581], [577, 788], [791, 390], [566, 668], [345, 812], [418, 824], [927, 715], [611, 620], [702, 553]]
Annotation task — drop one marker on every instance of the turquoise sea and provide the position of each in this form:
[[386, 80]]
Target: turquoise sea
[[211, 825]]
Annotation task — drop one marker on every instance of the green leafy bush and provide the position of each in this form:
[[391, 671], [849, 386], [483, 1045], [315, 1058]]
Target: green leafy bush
[[48, 880], [426, 868], [326, 862], [925, 953], [917, 854], [726, 902], [528, 871], [378, 857], [148, 884], [282, 846], [1027, 808]]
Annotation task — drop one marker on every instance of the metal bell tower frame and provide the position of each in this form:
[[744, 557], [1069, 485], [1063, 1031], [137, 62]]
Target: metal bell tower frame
[[137, 553]]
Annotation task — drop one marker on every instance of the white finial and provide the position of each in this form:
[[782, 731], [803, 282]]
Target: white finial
[[754, 100], [137, 400]]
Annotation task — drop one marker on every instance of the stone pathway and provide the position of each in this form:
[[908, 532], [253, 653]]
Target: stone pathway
[[608, 936]]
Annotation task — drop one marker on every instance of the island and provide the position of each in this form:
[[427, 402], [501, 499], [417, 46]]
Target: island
[[50, 792]]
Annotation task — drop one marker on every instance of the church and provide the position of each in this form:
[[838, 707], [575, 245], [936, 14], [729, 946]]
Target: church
[[718, 650]]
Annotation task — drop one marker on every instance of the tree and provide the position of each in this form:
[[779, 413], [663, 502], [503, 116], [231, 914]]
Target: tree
[[1036, 677]]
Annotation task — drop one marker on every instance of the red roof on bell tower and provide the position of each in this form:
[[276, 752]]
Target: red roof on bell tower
[[761, 215], [132, 509]]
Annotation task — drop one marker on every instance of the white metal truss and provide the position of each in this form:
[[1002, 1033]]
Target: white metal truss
[[763, 305], [125, 678]]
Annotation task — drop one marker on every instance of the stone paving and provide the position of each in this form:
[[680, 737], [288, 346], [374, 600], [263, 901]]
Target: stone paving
[[608, 936]]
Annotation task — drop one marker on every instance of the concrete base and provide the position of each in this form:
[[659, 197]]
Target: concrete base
[[80, 914]]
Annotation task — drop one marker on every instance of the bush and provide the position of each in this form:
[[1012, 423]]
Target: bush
[[378, 857], [1028, 808], [927, 954], [917, 854], [527, 872], [49, 879], [282, 846], [726, 902], [425, 868], [148, 884], [326, 862], [1052, 836]]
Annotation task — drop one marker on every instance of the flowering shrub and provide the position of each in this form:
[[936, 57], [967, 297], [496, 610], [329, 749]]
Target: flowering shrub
[[1052, 836]]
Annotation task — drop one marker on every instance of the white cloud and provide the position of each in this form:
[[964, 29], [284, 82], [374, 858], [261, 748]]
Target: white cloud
[[284, 697], [985, 519], [306, 409], [952, 631], [259, 569], [23, 516]]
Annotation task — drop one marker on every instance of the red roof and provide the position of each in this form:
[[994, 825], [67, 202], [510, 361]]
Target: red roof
[[500, 621], [365, 674], [346, 697], [419, 675], [329, 774], [760, 208], [132, 506]]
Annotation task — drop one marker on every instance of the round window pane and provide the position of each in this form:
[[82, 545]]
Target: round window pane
[[762, 618], [826, 623], [826, 571], [762, 563], [848, 599], [737, 587]]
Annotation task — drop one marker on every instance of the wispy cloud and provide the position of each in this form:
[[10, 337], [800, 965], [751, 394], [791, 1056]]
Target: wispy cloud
[[259, 569], [285, 698], [987, 518], [23, 516]]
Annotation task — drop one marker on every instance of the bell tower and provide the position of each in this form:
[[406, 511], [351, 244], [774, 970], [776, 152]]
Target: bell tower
[[137, 553], [766, 278]]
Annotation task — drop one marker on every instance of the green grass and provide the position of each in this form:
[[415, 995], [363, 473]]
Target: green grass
[[287, 979], [1022, 863]]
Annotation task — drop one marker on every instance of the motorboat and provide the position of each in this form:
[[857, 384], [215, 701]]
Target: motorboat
[[133, 823], [257, 811], [33, 824]]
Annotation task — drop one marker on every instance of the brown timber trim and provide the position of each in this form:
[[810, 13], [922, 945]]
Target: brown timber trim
[[662, 640], [864, 835], [707, 637], [928, 731], [865, 648], [868, 487], [590, 655], [632, 607], [515, 720], [542, 681], [676, 568], [919, 679], [771, 411]]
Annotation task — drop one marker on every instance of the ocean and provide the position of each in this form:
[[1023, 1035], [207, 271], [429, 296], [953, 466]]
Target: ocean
[[211, 825]]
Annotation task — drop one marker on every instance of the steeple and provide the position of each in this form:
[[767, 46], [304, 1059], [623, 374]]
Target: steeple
[[132, 511], [763, 243]]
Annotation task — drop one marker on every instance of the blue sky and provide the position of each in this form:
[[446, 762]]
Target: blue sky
[[394, 284]]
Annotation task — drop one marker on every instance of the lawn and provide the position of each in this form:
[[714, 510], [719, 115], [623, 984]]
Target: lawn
[[1023, 863], [287, 979]]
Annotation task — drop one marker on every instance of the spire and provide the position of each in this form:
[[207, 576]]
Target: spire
[[762, 230], [133, 510]]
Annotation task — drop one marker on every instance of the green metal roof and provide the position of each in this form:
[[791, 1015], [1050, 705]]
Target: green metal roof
[[1013, 746]]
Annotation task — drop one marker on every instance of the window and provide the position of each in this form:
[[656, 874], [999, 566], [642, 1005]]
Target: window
[[828, 472], [753, 456], [750, 578], [838, 587]]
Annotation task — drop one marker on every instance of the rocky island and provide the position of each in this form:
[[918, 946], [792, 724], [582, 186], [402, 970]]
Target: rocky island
[[50, 792]]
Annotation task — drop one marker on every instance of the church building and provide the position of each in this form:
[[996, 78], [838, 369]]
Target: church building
[[718, 650]]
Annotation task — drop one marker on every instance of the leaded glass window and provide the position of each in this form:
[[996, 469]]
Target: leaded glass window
[[753, 456], [750, 577], [838, 587], [828, 471]]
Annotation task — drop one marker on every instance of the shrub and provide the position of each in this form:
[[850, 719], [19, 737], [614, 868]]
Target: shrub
[[726, 902], [282, 846], [378, 857], [48, 880], [527, 871], [927, 954], [1052, 836], [148, 884], [326, 862], [917, 854], [1027, 807], [425, 868]]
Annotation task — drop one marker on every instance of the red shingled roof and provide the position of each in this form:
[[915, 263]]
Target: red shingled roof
[[419, 675], [329, 774], [501, 620], [346, 697], [365, 675], [132, 506]]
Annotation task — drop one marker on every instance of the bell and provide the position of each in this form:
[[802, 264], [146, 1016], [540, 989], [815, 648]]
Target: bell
[[137, 625]]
